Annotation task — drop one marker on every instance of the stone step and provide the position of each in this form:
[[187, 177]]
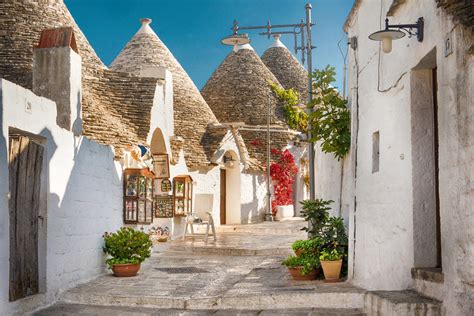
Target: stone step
[[287, 227], [264, 301], [230, 251], [395, 303], [86, 310]]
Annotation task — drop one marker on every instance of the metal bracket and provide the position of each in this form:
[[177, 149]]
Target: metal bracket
[[408, 28]]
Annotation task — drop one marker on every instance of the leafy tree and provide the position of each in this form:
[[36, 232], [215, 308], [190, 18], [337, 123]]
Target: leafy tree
[[329, 122], [330, 119]]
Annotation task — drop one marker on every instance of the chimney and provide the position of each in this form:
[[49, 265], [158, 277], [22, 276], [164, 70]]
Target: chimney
[[57, 76]]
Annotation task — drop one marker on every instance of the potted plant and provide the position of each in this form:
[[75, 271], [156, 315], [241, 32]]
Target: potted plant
[[329, 230], [128, 248], [302, 268], [306, 246], [331, 261]]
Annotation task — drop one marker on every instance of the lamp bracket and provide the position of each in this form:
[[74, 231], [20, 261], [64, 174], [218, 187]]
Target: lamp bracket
[[410, 29]]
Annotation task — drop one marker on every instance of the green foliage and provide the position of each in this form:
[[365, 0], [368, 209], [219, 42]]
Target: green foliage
[[335, 231], [315, 212], [308, 245], [127, 246], [330, 119], [330, 231], [332, 255], [296, 117], [308, 263]]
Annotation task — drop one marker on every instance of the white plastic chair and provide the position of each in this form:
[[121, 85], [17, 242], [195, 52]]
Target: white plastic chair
[[202, 215]]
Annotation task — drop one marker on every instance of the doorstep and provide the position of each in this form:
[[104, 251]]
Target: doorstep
[[428, 282]]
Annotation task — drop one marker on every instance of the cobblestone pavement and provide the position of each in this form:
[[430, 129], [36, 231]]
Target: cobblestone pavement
[[239, 275]]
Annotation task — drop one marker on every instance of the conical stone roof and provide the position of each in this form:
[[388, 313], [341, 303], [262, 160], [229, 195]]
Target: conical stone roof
[[115, 106], [286, 68], [192, 115], [21, 24], [239, 90]]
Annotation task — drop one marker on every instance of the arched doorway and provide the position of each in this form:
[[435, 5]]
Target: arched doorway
[[230, 212], [158, 145]]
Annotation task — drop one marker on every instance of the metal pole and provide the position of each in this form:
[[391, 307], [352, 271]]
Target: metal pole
[[309, 49], [268, 214]]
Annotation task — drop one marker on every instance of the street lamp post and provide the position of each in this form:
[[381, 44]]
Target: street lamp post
[[268, 213], [304, 30]]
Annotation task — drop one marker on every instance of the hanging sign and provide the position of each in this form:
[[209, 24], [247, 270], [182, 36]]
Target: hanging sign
[[161, 166]]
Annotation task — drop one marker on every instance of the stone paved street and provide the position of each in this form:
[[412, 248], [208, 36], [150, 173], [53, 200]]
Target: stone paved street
[[239, 275]]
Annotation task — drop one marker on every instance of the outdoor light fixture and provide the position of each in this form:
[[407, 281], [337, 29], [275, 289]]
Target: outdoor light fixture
[[236, 39], [394, 32]]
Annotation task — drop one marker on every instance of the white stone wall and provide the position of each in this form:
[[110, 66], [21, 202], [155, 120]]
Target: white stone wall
[[385, 208], [82, 198], [253, 197]]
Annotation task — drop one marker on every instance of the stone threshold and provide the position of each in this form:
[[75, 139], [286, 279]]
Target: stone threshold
[[406, 302], [428, 274]]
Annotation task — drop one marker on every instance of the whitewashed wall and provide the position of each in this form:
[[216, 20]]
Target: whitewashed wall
[[253, 197], [83, 195], [384, 247]]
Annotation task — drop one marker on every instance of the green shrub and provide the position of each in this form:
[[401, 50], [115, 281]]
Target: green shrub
[[332, 255], [307, 262], [315, 212], [308, 245], [127, 245], [329, 230]]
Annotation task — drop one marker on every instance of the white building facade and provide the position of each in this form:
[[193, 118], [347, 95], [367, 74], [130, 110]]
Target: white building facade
[[408, 180]]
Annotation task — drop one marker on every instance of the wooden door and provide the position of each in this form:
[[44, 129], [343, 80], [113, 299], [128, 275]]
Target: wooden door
[[25, 164], [223, 196]]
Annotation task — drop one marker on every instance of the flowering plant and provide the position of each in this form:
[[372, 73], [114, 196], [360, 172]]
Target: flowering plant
[[283, 172]]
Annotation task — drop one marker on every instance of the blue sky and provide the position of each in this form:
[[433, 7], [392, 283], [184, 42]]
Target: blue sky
[[192, 29]]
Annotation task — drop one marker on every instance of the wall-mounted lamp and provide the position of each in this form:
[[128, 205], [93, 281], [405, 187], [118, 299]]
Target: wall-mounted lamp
[[394, 32]]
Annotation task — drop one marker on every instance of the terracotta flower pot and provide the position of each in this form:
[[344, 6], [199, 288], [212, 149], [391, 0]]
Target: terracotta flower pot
[[296, 274], [332, 270], [126, 269]]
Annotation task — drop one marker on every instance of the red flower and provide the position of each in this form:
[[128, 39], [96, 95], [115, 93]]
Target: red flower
[[283, 173]]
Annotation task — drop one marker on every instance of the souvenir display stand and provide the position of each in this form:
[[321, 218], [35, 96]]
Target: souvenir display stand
[[138, 196], [183, 195]]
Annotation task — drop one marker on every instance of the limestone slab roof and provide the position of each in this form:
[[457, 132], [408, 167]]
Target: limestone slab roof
[[286, 68], [192, 115], [239, 90], [116, 107], [461, 10]]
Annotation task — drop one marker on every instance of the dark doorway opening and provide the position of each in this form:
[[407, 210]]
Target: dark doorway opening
[[425, 163], [434, 88]]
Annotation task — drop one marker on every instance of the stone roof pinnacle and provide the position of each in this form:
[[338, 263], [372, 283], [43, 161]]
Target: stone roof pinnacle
[[277, 42], [146, 29]]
